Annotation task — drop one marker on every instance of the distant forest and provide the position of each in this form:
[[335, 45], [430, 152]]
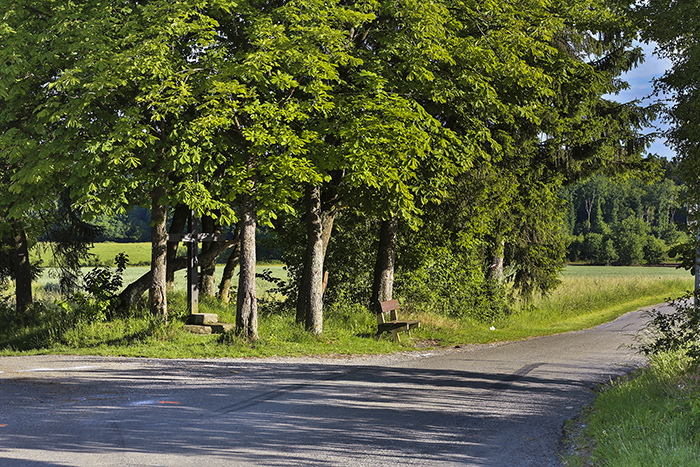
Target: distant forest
[[625, 221]]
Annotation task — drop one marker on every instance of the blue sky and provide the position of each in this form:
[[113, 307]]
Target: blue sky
[[641, 87]]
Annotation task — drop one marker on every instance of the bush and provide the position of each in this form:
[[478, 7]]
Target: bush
[[670, 332], [593, 247], [98, 299], [654, 250], [631, 239], [453, 286]]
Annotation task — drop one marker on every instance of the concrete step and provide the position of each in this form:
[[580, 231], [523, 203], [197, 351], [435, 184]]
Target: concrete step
[[203, 318], [218, 328]]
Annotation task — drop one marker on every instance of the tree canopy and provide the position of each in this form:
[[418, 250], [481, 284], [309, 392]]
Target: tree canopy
[[395, 110]]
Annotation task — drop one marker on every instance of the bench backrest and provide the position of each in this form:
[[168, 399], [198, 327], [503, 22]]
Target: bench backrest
[[391, 307]]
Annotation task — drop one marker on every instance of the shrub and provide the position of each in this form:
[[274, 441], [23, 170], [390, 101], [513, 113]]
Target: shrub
[[654, 250], [677, 331], [453, 286]]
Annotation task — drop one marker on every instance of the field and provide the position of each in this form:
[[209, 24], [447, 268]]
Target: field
[[48, 280], [593, 294], [103, 253], [587, 296]]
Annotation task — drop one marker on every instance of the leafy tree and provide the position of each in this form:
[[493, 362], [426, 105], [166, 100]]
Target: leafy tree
[[675, 28], [648, 212]]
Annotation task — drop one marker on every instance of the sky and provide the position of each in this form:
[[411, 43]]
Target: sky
[[640, 80]]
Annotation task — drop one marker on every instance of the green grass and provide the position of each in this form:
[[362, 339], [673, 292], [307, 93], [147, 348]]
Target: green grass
[[103, 254], [649, 419], [586, 297]]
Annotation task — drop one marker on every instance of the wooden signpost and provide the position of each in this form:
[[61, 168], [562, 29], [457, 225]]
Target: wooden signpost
[[192, 239]]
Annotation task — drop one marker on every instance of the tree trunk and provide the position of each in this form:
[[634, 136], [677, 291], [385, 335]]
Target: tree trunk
[[383, 283], [496, 271], [310, 300], [159, 244], [207, 281], [136, 289], [327, 220], [21, 268], [227, 275], [247, 302], [176, 227]]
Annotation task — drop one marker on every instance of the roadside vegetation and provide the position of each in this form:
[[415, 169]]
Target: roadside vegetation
[[651, 417], [85, 323]]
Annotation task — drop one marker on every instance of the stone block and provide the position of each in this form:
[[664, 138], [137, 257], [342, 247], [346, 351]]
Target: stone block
[[197, 329], [220, 328], [203, 318]]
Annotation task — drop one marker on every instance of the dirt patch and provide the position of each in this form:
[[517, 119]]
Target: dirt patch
[[427, 343]]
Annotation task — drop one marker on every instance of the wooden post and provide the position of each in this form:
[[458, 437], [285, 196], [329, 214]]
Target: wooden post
[[192, 238], [193, 264]]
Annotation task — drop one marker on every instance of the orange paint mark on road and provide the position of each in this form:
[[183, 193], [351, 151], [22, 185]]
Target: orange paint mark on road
[[3, 424], [169, 402]]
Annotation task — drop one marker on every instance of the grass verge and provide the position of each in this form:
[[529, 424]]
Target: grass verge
[[649, 419], [583, 300]]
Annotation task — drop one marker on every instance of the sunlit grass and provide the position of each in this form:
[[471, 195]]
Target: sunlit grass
[[590, 294], [586, 297], [651, 419]]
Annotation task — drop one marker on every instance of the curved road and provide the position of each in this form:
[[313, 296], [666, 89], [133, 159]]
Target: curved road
[[498, 405]]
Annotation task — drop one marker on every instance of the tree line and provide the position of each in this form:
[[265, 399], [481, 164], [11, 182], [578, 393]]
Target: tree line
[[625, 221], [425, 141]]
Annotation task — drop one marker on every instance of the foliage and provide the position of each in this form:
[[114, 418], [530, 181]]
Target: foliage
[[132, 226], [629, 221], [461, 119], [675, 331], [453, 286], [649, 419], [101, 287], [430, 278], [70, 238], [674, 26]]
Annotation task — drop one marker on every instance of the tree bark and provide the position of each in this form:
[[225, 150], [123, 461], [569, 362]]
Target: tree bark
[[247, 302], [157, 298], [21, 268], [176, 227], [207, 281], [383, 282], [310, 300], [227, 275], [496, 272], [327, 220]]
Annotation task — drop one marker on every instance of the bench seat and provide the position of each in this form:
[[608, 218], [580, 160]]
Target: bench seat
[[388, 320]]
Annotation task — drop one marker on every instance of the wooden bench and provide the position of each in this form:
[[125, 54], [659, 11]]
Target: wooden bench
[[388, 320]]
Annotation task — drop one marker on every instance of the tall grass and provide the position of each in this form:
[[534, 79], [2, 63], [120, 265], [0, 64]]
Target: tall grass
[[598, 292], [583, 300], [651, 419]]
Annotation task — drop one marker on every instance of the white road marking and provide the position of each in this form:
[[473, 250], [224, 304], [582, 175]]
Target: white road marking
[[58, 369]]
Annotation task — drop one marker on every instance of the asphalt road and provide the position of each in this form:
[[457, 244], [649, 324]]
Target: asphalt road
[[498, 405]]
